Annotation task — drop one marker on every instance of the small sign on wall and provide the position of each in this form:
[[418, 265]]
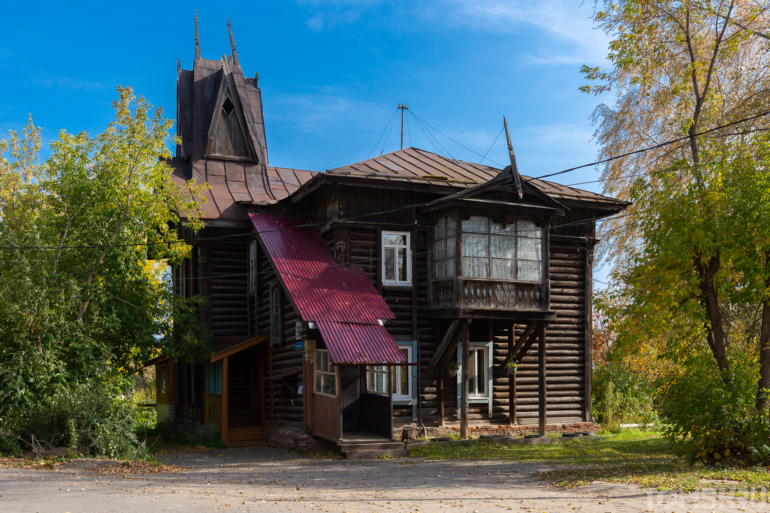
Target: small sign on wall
[[299, 346], [298, 330], [299, 390]]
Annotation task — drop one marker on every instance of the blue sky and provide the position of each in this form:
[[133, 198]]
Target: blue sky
[[331, 72]]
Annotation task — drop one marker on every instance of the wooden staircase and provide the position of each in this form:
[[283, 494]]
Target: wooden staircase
[[357, 449]]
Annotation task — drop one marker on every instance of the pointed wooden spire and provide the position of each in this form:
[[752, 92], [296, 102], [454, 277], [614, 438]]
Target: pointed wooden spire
[[232, 41], [514, 167], [197, 43]]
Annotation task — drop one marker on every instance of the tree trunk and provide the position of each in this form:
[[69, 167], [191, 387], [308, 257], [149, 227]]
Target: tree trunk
[[715, 331]]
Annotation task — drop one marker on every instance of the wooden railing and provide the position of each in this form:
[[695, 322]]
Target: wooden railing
[[487, 293]]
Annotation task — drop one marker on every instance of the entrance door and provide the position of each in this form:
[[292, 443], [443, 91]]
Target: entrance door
[[245, 401], [350, 397]]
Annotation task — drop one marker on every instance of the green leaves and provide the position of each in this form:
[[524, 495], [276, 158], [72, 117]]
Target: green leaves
[[79, 299]]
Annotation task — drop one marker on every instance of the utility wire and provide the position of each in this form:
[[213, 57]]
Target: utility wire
[[493, 145], [457, 143], [402, 207], [383, 133], [427, 131]]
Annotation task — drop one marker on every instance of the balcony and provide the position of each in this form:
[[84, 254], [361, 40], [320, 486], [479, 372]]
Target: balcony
[[484, 293]]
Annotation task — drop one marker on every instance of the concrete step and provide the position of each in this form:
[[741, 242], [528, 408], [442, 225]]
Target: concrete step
[[364, 454], [377, 446]]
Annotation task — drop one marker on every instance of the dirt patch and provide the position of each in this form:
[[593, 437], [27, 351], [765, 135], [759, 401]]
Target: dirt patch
[[93, 465]]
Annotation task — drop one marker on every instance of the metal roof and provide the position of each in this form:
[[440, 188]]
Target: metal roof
[[421, 166], [321, 289], [357, 344]]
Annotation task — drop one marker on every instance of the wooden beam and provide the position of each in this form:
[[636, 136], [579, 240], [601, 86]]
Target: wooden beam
[[225, 400], [511, 378], [542, 390], [443, 345], [519, 356], [439, 380], [464, 381], [240, 347], [522, 340]]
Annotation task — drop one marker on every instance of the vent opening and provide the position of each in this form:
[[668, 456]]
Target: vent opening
[[228, 107]]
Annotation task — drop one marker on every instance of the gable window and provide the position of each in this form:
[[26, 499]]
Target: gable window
[[500, 251], [444, 248], [253, 267], [396, 258], [228, 107], [275, 315], [212, 378], [402, 377], [325, 374], [377, 380]]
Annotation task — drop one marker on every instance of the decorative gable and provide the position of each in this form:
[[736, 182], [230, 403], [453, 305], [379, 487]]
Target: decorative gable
[[228, 136]]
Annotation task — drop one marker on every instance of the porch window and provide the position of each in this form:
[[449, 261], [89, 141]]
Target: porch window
[[212, 378], [501, 251], [325, 374], [444, 248], [377, 380], [162, 380], [275, 315], [478, 376], [396, 265], [253, 267], [402, 377]]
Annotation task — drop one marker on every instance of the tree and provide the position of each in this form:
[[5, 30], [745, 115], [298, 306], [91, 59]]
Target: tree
[[691, 256], [79, 298]]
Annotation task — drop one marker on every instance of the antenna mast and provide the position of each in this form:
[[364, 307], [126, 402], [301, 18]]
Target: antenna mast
[[403, 108]]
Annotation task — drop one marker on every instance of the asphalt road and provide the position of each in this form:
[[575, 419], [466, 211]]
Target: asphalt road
[[269, 480]]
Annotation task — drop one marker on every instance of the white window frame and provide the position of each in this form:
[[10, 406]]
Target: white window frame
[[377, 370], [397, 395], [332, 370], [253, 267], [488, 348], [408, 248], [474, 353]]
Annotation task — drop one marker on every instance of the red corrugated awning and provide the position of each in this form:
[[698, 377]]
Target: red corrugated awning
[[341, 300], [357, 344], [322, 289]]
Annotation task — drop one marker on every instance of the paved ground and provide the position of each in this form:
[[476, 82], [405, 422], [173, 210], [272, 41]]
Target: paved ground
[[269, 480]]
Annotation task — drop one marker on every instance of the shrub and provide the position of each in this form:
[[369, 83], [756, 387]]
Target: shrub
[[88, 419], [9, 445], [207, 434], [709, 421], [621, 395]]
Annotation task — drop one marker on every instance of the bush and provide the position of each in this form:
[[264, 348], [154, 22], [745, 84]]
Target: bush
[[207, 434], [9, 445], [710, 421], [88, 419], [621, 395]]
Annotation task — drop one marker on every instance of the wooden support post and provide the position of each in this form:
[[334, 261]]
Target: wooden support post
[[464, 386], [225, 400], [440, 395], [542, 392], [511, 378]]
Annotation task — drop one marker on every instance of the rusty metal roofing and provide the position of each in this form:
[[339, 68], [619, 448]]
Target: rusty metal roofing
[[356, 344], [321, 289], [232, 182], [420, 166]]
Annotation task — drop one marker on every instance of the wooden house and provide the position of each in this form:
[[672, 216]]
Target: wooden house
[[340, 301]]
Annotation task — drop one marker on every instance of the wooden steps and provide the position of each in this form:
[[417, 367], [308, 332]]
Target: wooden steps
[[246, 436], [366, 449]]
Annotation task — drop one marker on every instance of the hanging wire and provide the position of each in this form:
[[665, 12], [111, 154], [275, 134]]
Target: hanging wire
[[383, 133]]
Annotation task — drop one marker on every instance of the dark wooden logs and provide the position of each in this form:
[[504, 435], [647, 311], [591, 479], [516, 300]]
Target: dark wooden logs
[[464, 389], [543, 393]]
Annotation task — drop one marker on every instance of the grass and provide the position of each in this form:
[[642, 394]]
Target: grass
[[631, 456]]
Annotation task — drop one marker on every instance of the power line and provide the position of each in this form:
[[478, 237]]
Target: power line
[[427, 131], [457, 143], [383, 133], [493, 145], [401, 207]]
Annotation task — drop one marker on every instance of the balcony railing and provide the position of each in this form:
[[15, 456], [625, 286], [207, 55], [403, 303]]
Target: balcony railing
[[469, 293]]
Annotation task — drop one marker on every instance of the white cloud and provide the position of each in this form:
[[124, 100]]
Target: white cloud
[[567, 22]]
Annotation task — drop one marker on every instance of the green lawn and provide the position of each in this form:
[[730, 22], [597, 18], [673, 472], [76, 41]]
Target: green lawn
[[632, 456]]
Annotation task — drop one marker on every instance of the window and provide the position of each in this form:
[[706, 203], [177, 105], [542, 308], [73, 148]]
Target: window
[[478, 372], [396, 265], [377, 380], [212, 378], [162, 380], [253, 267], [182, 280], [402, 377], [228, 107], [444, 248], [275, 315], [501, 251], [325, 374]]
